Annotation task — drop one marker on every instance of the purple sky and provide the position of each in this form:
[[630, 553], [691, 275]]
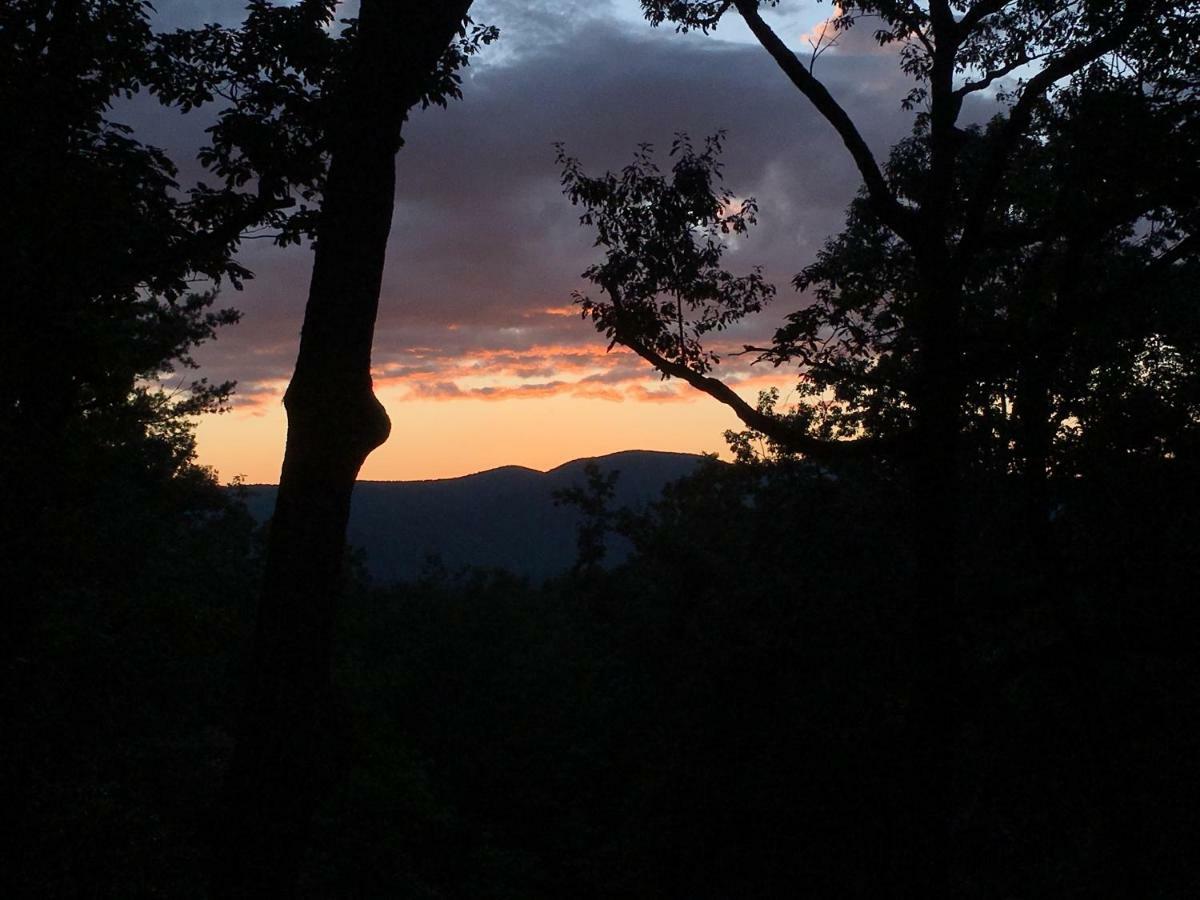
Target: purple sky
[[485, 250]]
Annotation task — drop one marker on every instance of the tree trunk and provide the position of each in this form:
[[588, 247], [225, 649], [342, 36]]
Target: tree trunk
[[923, 868], [282, 761], [1035, 438]]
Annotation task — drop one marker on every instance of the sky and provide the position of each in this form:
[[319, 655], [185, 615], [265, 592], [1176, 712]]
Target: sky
[[480, 358]]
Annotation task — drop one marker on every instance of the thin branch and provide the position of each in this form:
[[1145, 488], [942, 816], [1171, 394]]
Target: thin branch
[[989, 78], [779, 430], [820, 45], [978, 13], [1186, 247], [880, 196]]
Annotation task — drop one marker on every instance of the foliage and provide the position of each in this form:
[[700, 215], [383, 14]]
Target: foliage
[[721, 715], [594, 501], [985, 262], [104, 246], [116, 697], [101, 265], [125, 565], [1101, 308], [662, 240], [280, 73], [724, 714]]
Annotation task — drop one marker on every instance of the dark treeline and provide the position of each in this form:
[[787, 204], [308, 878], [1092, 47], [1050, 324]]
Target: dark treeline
[[933, 634], [721, 716]]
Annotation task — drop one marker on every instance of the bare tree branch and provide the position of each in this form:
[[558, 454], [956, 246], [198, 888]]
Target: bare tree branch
[[989, 78], [779, 430], [881, 198], [978, 13]]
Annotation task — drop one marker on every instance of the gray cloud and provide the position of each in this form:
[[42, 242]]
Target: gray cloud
[[483, 240]]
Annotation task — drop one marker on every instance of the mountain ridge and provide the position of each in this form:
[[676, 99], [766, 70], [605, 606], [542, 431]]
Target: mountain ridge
[[504, 517], [579, 462]]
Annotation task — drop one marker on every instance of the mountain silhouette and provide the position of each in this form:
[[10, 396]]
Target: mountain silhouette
[[501, 518]]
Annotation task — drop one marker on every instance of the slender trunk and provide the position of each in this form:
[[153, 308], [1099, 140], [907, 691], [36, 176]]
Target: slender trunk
[[1035, 430], [283, 758], [935, 713], [936, 710]]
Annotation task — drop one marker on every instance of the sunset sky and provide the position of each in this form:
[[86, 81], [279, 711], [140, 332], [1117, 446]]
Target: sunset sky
[[479, 356]]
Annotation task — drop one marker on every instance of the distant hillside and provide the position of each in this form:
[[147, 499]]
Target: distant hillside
[[504, 517]]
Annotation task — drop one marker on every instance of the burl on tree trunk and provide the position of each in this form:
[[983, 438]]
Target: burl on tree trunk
[[283, 760]]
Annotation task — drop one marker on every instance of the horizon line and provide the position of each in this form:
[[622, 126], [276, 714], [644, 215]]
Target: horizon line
[[568, 462]]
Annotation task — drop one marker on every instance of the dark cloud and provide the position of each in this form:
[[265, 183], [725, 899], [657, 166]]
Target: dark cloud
[[485, 250], [532, 27]]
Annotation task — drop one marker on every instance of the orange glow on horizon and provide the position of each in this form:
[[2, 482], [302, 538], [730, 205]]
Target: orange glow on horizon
[[446, 438], [460, 411]]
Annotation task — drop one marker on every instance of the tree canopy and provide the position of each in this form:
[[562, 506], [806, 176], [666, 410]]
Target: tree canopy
[[1052, 186]]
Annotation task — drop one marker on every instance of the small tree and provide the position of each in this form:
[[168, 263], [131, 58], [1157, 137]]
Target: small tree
[[594, 502]]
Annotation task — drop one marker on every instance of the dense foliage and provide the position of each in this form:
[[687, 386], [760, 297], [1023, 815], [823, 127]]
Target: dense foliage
[[123, 561], [724, 714], [111, 270]]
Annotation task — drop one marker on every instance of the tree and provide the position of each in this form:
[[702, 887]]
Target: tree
[[933, 244], [101, 262], [345, 98], [594, 501], [944, 202], [122, 558]]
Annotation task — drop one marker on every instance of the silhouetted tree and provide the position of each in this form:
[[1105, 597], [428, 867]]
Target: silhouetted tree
[[938, 231], [100, 262], [123, 561], [944, 200], [358, 90], [594, 501]]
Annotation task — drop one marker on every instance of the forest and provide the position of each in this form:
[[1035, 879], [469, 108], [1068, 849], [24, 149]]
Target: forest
[[927, 635]]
